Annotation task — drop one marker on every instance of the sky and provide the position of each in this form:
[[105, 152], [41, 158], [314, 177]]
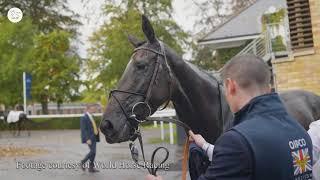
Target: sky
[[91, 18]]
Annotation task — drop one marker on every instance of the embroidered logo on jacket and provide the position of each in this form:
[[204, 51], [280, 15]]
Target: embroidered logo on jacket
[[301, 161]]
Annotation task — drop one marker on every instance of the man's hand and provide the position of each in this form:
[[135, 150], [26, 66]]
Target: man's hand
[[89, 142], [197, 138], [152, 177]]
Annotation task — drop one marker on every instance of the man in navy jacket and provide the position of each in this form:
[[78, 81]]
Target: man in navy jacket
[[265, 142], [90, 136]]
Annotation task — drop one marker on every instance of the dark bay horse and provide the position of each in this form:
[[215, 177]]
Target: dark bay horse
[[197, 96]]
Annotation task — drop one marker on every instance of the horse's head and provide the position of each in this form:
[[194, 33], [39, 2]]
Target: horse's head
[[143, 87]]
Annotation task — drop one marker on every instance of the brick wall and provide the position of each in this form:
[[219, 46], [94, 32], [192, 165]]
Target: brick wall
[[315, 18], [302, 72]]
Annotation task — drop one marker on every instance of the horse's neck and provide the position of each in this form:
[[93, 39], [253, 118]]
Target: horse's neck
[[196, 98], [197, 85], [183, 106]]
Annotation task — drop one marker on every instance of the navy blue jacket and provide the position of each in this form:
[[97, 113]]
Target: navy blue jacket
[[87, 131], [262, 144], [198, 161]]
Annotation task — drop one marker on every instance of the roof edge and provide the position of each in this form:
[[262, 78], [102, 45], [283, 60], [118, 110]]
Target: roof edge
[[228, 20], [229, 39]]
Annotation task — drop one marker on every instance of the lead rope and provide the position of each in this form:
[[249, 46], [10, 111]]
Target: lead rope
[[154, 168], [185, 159]]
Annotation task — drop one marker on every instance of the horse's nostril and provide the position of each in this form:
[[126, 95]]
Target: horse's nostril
[[107, 125]]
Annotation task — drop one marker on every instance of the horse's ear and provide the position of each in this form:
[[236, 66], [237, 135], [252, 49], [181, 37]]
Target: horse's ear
[[135, 41], [148, 29]]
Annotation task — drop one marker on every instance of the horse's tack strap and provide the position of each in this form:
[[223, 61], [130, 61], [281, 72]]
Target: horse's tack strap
[[177, 122], [185, 159], [153, 169]]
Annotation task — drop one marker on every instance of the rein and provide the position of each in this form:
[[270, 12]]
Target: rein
[[135, 119]]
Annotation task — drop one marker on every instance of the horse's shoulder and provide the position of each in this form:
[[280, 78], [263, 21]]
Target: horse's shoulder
[[299, 96], [297, 92]]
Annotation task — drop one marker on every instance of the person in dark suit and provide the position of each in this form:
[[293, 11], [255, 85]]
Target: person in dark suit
[[90, 136]]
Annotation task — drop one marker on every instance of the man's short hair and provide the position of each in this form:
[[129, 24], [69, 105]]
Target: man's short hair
[[248, 71], [92, 105]]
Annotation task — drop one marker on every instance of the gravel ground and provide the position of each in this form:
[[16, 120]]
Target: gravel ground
[[63, 152]]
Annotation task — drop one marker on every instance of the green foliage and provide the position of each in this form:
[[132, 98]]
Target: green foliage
[[26, 46], [111, 50], [16, 44], [94, 96], [207, 61], [224, 55], [54, 69], [157, 140], [274, 18], [212, 14], [46, 14], [278, 45]]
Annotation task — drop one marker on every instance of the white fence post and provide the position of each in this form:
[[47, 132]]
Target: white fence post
[[171, 133], [155, 124]]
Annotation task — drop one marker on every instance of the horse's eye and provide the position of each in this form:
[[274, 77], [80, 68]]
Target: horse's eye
[[141, 66]]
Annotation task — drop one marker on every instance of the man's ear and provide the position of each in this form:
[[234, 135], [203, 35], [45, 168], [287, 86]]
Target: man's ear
[[231, 86], [148, 29], [135, 41]]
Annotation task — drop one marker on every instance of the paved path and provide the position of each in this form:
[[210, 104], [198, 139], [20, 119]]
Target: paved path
[[65, 152]]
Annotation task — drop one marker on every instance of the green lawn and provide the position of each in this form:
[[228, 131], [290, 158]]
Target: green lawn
[[156, 140], [150, 126]]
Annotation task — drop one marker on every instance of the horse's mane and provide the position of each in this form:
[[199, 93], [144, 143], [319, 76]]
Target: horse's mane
[[214, 75]]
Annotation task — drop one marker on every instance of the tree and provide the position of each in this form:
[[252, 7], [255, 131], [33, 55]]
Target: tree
[[54, 69], [211, 60], [18, 54], [212, 14], [111, 50], [205, 59], [48, 15], [16, 43]]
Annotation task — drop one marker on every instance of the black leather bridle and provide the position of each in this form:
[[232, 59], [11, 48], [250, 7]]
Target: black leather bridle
[[137, 117]]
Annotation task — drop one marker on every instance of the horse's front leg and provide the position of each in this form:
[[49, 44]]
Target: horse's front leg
[[25, 126], [19, 126], [28, 128], [12, 128]]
